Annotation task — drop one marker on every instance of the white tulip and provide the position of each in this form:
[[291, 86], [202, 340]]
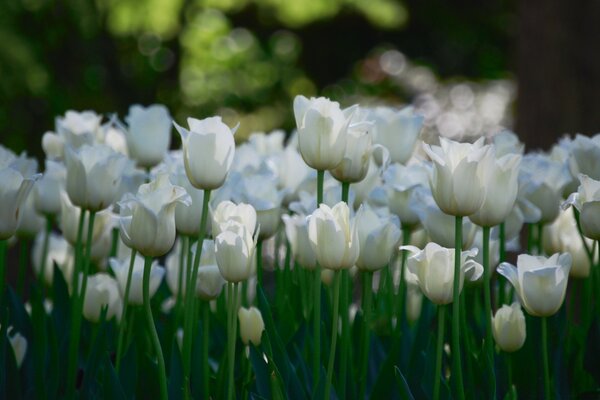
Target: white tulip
[[540, 282], [148, 218], [378, 237], [208, 149], [333, 236], [187, 217], [357, 156], [251, 325], [60, 253], [14, 189], [235, 252], [149, 134], [296, 230], [587, 201], [401, 184], [322, 130], [93, 176], [459, 173], [434, 269], [226, 211], [121, 270], [397, 130], [509, 327], [74, 129], [47, 191], [69, 222], [102, 290], [18, 343]]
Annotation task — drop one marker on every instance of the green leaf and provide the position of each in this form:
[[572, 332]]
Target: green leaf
[[405, 392], [261, 371], [175, 385], [128, 372]]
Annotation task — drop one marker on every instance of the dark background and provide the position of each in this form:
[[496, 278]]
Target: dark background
[[247, 59]]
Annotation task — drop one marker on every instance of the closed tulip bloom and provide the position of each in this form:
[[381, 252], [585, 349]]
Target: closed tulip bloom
[[227, 210], [357, 156], [540, 282], [501, 187], [74, 129], [296, 230], [459, 173], [234, 251], [121, 269], [401, 186], [397, 130], [208, 149], [93, 176], [14, 189], [69, 221], [440, 226], [584, 156], [251, 325], [148, 218], [102, 290], [378, 237], [507, 142], [30, 222], [587, 201], [187, 217], [47, 190], [434, 270], [149, 134], [333, 236], [322, 130], [509, 327], [60, 253]]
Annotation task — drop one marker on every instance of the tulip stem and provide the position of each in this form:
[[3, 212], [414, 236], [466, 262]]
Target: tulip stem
[[345, 318], [162, 374], [205, 342], [182, 274], [320, 182], [540, 245], [406, 232], [22, 267], [489, 346], [317, 298], [334, 332], [189, 297], [345, 191], [502, 258], [124, 312], [78, 299], [43, 261], [547, 393], [259, 267], [231, 336], [367, 299], [114, 244], [439, 352], [456, 363]]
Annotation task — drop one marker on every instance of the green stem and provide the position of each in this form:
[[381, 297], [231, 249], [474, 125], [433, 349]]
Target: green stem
[[259, 267], [76, 299], [456, 363], [406, 232], [23, 253], [124, 312], [540, 246], [345, 192], [114, 244], [205, 342], [334, 332], [439, 352], [547, 392], [184, 251], [530, 238], [489, 346], [509, 372], [502, 258], [317, 326], [189, 298], [366, 337], [320, 182], [345, 333], [231, 337], [162, 374]]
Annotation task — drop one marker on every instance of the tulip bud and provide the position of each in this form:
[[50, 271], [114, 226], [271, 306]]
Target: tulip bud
[[378, 237], [60, 253], [587, 201], [208, 149], [226, 211], [433, 268], [47, 191], [296, 230], [121, 271], [322, 129], [357, 156], [333, 237], [14, 189], [102, 291], [540, 282], [149, 134], [234, 251], [251, 325], [401, 186], [509, 327], [397, 130]]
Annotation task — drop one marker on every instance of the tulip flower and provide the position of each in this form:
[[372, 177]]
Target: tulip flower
[[18, 343], [14, 189], [93, 176], [102, 291], [509, 327], [251, 325], [507, 142], [296, 230], [121, 270], [149, 134], [357, 156], [587, 201], [459, 173], [59, 253], [226, 211], [234, 251], [540, 282], [69, 222], [47, 191], [322, 131], [378, 237], [584, 156], [434, 268], [401, 185], [148, 218], [74, 129], [188, 216], [397, 130], [333, 236], [208, 149]]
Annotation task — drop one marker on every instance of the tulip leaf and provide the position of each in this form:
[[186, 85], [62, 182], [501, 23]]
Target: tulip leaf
[[18, 317], [405, 392], [10, 387], [111, 386], [261, 371], [175, 385], [98, 348], [53, 378], [129, 370], [38, 341], [590, 361]]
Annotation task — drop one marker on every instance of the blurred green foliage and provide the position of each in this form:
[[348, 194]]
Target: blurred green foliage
[[243, 59]]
